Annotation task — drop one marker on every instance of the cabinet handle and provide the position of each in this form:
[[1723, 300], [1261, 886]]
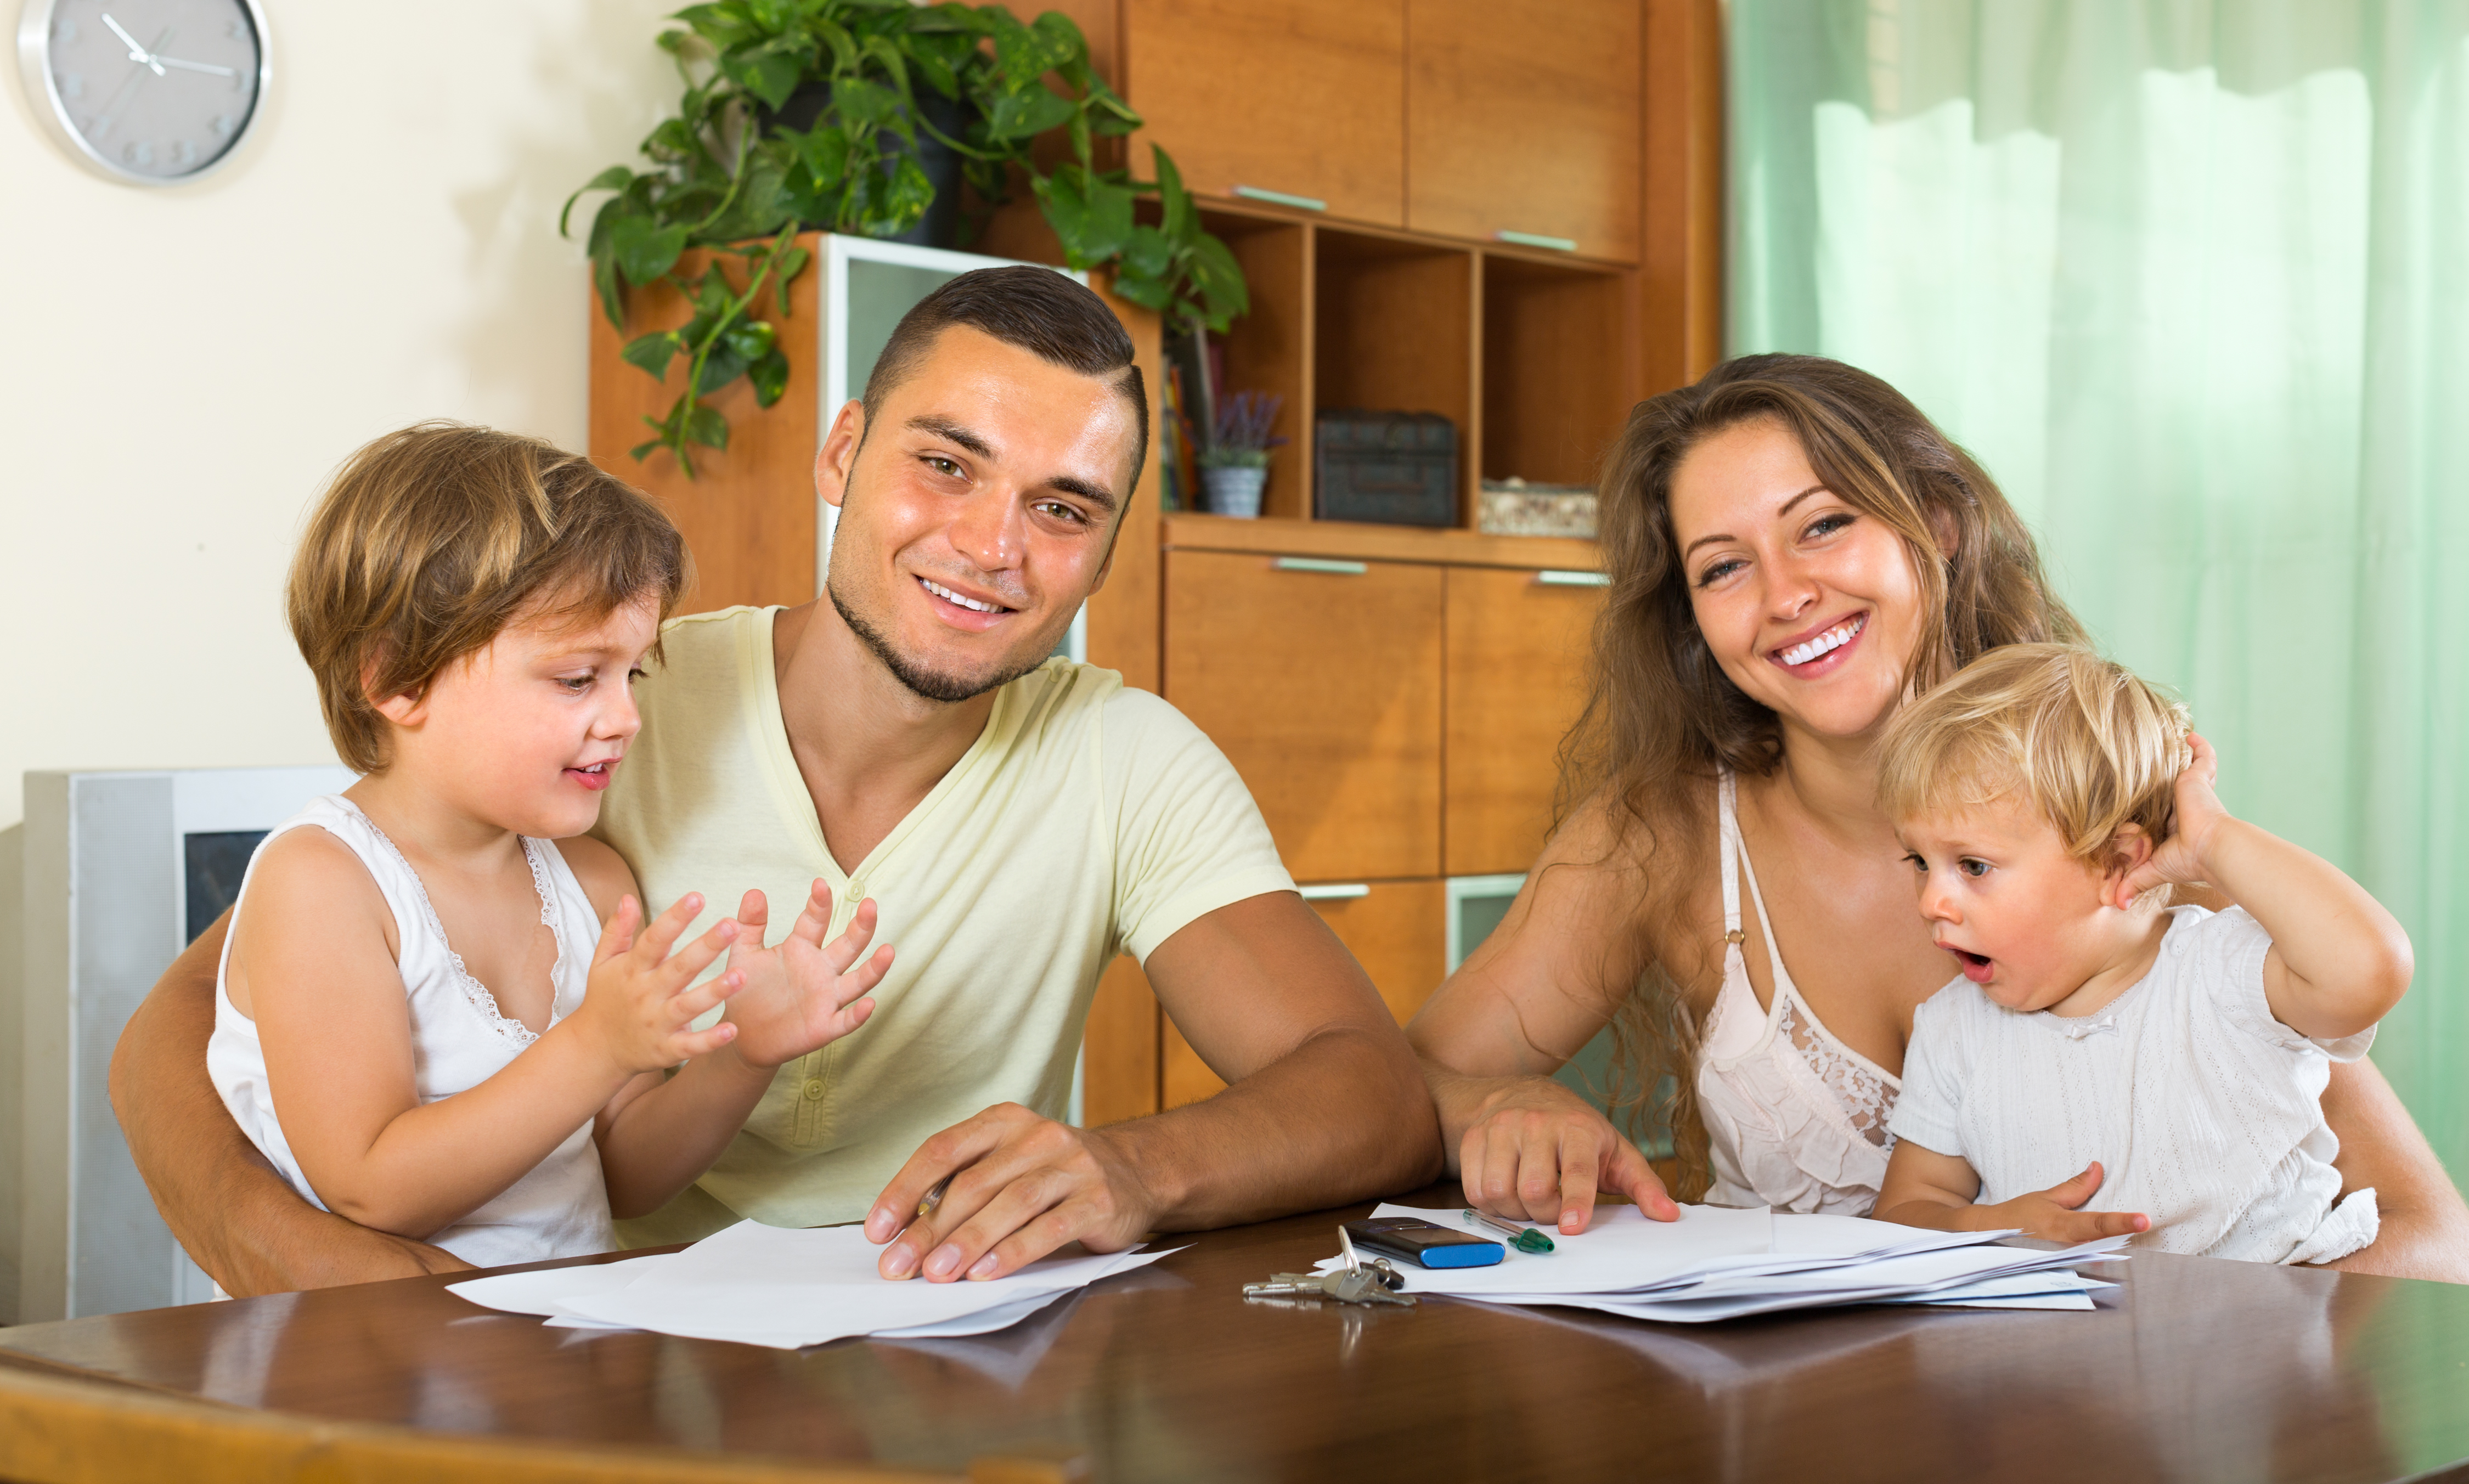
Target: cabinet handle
[[1558, 579], [1537, 239], [1298, 202], [1320, 564], [1345, 892]]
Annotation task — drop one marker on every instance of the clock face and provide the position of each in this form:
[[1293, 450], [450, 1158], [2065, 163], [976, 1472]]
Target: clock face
[[154, 90]]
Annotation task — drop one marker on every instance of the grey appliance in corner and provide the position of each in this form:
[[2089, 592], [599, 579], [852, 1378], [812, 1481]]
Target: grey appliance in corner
[[121, 871]]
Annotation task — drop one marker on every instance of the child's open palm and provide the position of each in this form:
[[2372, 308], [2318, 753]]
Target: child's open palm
[[801, 993], [642, 999]]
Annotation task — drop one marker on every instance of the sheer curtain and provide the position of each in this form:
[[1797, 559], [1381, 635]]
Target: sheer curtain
[[2193, 281]]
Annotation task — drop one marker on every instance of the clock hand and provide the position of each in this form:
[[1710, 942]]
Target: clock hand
[[127, 90], [136, 53], [190, 66]]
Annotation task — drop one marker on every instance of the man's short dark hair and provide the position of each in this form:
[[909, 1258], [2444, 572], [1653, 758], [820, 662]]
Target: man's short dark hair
[[1051, 316]]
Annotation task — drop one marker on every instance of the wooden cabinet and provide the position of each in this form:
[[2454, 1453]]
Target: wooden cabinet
[[1300, 97], [1522, 117], [1516, 648], [1395, 929], [1321, 679]]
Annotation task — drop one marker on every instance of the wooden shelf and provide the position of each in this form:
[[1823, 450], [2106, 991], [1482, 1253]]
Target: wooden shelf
[[1394, 323], [1508, 345], [1269, 213], [1554, 392], [1346, 540]]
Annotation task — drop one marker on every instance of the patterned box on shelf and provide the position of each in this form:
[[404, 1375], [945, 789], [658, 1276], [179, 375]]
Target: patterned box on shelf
[[1514, 507]]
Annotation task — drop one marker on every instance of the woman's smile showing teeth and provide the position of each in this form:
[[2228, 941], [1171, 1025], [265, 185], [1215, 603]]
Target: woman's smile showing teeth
[[1818, 647]]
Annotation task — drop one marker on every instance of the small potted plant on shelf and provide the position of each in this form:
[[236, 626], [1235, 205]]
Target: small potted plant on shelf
[[1235, 467], [863, 116]]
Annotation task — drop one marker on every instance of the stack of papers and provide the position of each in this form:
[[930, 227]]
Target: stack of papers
[[785, 1288], [1719, 1263]]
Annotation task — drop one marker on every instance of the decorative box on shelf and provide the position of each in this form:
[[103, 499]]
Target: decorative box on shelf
[[1514, 507], [1387, 467]]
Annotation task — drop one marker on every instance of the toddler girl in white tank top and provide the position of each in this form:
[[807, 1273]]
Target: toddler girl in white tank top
[[418, 1018], [458, 1040]]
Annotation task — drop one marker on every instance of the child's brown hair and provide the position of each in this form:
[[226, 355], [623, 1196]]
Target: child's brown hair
[[431, 539], [2087, 742]]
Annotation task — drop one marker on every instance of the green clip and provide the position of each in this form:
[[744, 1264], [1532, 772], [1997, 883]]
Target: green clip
[[1525, 1239]]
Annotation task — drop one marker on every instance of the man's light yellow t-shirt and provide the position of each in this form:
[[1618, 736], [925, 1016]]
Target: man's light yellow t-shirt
[[1088, 820]]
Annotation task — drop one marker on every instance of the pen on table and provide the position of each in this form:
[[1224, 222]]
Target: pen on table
[[1525, 1239]]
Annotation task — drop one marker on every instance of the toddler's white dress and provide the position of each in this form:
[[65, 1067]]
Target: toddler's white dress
[[2204, 1110], [458, 1039]]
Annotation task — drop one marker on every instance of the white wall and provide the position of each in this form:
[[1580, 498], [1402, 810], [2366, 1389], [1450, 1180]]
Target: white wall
[[184, 366]]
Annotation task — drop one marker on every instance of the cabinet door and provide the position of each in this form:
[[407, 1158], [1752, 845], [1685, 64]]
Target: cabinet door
[[1303, 97], [1397, 930], [1321, 681], [1522, 116], [1517, 648]]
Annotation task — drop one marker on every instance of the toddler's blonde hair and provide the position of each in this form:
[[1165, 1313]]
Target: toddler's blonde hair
[[2084, 741], [433, 539]]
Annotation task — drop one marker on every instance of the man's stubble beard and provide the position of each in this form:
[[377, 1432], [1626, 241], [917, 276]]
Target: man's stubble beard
[[926, 683]]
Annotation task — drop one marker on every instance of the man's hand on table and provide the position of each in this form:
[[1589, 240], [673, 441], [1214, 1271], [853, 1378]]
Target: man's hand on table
[[1022, 1185]]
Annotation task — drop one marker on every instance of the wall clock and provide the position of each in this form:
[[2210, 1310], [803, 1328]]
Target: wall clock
[[146, 92]]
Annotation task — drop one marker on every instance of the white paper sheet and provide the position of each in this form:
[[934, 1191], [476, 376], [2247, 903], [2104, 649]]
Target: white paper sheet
[[544, 1291], [2061, 1288], [1717, 1264], [1622, 1249], [785, 1289]]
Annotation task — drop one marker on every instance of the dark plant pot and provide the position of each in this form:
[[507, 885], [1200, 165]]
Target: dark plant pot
[[940, 226]]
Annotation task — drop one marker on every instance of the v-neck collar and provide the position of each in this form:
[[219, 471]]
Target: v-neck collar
[[797, 804]]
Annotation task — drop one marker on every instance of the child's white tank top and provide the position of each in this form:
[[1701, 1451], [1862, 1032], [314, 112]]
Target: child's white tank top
[[458, 1040]]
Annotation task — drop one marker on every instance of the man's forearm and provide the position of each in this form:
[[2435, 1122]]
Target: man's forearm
[[236, 1217], [1343, 1116]]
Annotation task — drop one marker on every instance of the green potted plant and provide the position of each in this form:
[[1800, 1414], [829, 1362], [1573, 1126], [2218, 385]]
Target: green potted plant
[[822, 114], [1235, 467]]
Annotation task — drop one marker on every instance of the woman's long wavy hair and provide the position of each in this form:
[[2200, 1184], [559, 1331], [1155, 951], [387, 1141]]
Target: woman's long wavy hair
[[1663, 721]]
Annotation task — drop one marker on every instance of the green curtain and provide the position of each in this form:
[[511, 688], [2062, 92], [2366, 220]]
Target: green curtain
[[2193, 281]]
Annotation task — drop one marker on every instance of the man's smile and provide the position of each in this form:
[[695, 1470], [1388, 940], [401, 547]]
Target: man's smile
[[955, 595]]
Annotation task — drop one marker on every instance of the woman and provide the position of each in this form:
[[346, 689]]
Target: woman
[[1794, 550]]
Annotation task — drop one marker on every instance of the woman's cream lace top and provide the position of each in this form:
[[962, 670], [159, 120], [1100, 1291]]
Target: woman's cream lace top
[[1796, 1119]]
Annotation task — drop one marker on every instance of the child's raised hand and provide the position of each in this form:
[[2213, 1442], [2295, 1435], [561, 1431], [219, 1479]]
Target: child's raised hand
[[2179, 859], [801, 993], [2055, 1214], [638, 1004]]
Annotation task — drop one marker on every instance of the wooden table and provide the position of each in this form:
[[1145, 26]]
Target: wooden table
[[2196, 1369]]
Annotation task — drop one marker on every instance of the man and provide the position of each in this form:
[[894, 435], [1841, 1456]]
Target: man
[[1018, 822]]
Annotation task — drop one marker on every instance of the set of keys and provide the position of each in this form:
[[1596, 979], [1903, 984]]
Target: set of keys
[[1355, 1283]]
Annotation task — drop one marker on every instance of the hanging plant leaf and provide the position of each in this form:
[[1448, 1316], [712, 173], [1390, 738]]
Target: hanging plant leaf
[[645, 250], [770, 377], [653, 352], [1147, 254], [707, 427], [1026, 113], [866, 103]]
